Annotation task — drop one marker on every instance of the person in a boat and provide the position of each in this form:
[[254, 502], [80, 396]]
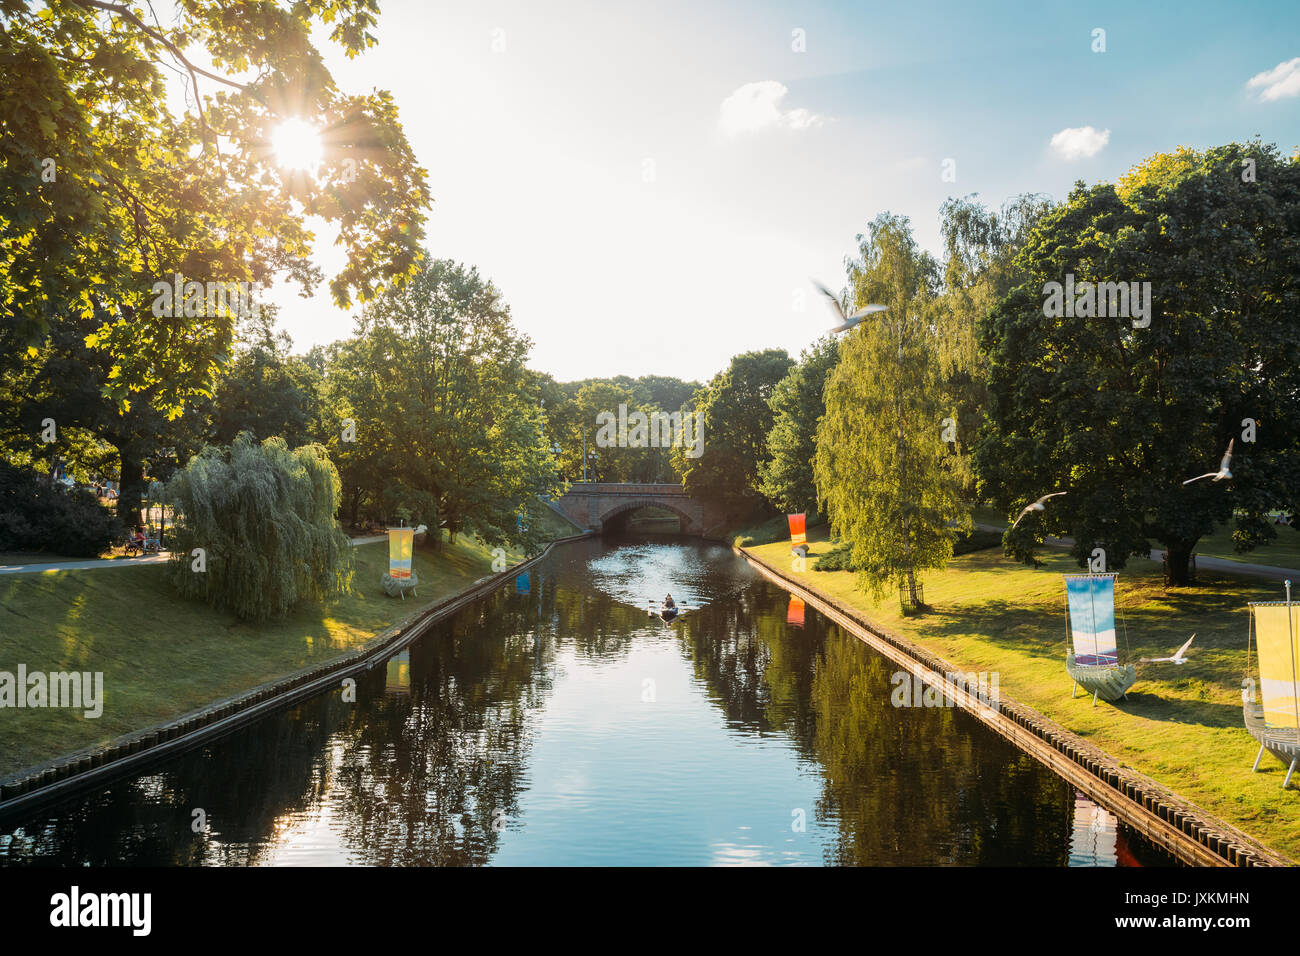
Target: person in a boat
[[668, 601]]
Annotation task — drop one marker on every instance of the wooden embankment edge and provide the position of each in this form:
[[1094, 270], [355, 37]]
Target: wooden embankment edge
[[93, 767], [1161, 816]]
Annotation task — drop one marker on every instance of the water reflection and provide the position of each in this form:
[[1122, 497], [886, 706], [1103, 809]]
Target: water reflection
[[557, 723]]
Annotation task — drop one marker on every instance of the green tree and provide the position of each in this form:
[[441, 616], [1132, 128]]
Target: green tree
[[882, 470], [66, 381], [263, 517], [443, 401], [1119, 416], [786, 478], [107, 190], [980, 246], [736, 423], [268, 391]]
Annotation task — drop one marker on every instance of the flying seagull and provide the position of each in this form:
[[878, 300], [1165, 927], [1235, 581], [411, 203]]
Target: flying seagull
[[1178, 657], [847, 321], [1223, 471], [1039, 505]]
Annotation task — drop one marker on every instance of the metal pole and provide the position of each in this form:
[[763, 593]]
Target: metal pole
[[1295, 692]]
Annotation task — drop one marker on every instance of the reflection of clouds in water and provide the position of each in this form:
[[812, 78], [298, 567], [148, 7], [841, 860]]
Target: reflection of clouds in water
[[637, 573], [732, 854]]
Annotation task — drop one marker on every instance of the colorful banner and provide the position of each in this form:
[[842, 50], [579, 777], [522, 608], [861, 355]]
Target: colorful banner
[[1092, 618], [401, 543], [1278, 634], [797, 535], [794, 613]]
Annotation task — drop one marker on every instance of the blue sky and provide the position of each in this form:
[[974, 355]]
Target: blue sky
[[652, 185]]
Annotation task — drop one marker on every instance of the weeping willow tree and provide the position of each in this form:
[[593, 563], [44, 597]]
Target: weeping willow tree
[[262, 520], [882, 467]]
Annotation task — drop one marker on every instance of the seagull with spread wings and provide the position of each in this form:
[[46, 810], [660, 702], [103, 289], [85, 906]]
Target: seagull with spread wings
[[1039, 505], [1180, 655], [1223, 471], [847, 321]]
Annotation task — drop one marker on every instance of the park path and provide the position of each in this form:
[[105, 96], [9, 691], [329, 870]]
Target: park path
[[92, 563], [1204, 562]]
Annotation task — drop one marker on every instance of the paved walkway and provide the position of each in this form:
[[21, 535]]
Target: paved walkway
[[90, 563], [1204, 562]]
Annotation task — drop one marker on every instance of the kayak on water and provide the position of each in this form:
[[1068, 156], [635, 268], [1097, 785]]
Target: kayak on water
[[667, 613]]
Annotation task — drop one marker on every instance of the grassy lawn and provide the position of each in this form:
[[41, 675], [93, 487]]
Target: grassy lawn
[[162, 656], [1282, 552], [1180, 725]]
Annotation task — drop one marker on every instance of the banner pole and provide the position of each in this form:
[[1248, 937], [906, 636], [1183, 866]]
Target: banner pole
[[1295, 691]]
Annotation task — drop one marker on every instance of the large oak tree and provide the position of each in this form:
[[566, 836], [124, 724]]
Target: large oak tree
[[1119, 416]]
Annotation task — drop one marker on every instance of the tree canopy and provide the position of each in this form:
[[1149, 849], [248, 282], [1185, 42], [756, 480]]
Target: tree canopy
[[881, 467], [107, 190], [1119, 414], [443, 405], [786, 477], [263, 518], [737, 420]]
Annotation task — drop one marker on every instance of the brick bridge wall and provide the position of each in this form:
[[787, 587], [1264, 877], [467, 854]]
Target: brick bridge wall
[[590, 504]]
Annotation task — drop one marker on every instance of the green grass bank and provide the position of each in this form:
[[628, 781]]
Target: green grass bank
[[1182, 726]]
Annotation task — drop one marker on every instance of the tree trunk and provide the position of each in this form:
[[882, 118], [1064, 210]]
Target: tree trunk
[[131, 491], [1178, 557]]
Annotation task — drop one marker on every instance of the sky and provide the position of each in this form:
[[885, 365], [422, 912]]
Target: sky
[[652, 186]]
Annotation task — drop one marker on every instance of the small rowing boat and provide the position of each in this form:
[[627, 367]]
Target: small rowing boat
[[666, 613]]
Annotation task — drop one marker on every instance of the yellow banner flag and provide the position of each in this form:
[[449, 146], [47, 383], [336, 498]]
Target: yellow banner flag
[[1278, 633]]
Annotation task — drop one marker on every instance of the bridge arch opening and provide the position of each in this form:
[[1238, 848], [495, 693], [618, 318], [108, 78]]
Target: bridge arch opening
[[646, 517]]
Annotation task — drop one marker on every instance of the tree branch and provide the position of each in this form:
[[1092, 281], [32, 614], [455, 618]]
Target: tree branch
[[194, 71]]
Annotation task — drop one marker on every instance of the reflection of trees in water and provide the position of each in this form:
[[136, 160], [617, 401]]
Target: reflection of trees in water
[[408, 778], [909, 785], [416, 777]]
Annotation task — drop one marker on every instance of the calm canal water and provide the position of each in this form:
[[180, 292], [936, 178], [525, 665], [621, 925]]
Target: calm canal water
[[557, 723]]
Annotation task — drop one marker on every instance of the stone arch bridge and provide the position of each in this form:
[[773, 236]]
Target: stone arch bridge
[[604, 505]]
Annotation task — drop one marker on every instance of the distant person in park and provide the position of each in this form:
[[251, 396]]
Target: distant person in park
[[138, 538]]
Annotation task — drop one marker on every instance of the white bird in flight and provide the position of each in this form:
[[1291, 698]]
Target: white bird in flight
[[847, 321], [1223, 471], [1039, 505], [1178, 658]]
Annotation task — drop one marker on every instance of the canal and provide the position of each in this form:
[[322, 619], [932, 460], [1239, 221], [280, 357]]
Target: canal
[[556, 722]]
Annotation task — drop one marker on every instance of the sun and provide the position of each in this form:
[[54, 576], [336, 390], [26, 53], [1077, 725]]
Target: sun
[[297, 145]]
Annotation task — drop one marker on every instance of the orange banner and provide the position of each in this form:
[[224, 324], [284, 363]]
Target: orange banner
[[794, 613], [797, 535]]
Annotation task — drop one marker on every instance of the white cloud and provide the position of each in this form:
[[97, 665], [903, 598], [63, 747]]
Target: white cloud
[[1282, 80], [1080, 142], [757, 106]]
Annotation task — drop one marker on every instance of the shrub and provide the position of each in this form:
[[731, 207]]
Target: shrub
[[977, 540], [65, 521], [836, 559], [264, 517]]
